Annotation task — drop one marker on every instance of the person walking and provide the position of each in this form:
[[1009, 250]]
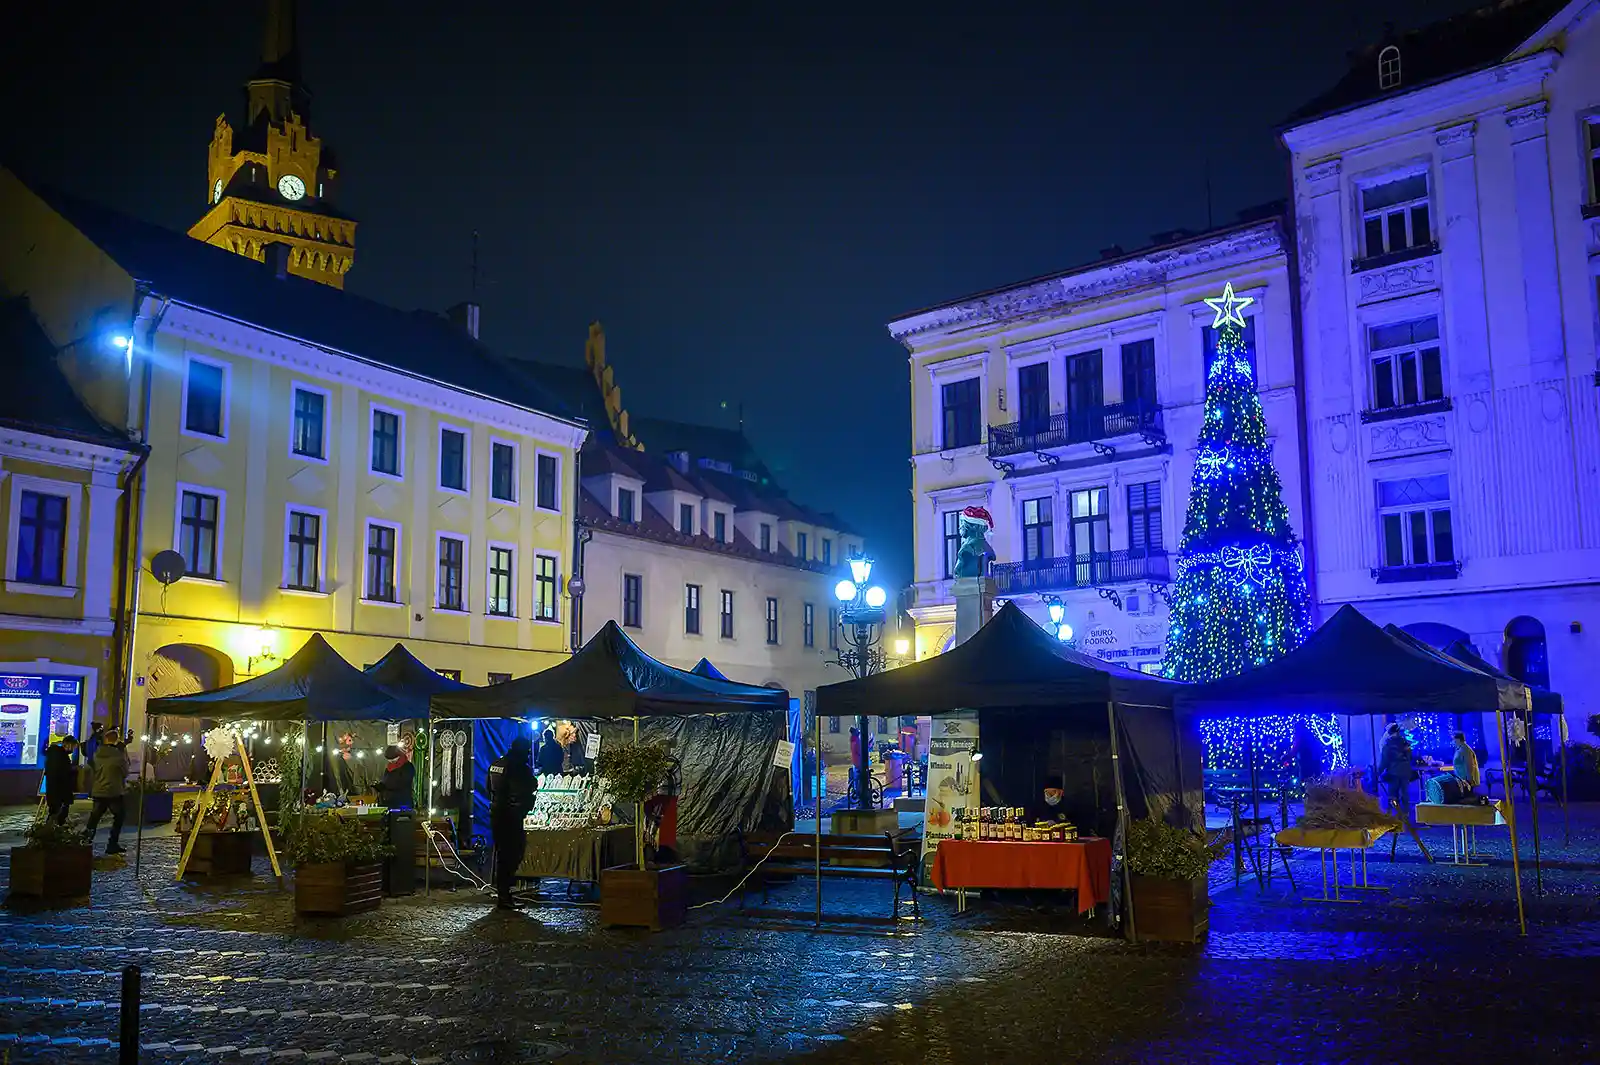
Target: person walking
[[108, 785], [60, 778], [511, 792]]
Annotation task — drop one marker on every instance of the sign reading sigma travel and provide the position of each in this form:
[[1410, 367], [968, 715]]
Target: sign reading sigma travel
[[952, 777], [34, 711]]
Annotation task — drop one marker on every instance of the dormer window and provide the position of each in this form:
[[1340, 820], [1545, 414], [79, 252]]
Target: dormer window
[[625, 510], [719, 527], [1389, 68], [686, 518]]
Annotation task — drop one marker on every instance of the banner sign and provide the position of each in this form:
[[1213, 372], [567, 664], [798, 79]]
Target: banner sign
[[952, 778], [34, 712]]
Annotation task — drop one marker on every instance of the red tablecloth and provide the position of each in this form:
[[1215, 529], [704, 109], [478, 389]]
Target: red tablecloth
[[1084, 866]]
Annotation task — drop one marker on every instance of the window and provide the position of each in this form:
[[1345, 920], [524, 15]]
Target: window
[[1406, 367], [772, 619], [632, 595], [808, 624], [452, 569], [499, 678], [1247, 336], [719, 527], [451, 674], [1139, 374], [301, 570], [503, 471], [1394, 215], [203, 399], [385, 442], [686, 518], [544, 587], [625, 504], [1414, 517], [727, 615], [766, 537], [691, 609], [883, 726], [1389, 68], [962, 414], [827, 551], [952, 541], [310, 412], [547, 488], [833, 726], [197, 534], [1091, 534], [1592, 128], [802, 546], [502, 601], [833, 628], [42, 538], [1038, 531], [1033, 397], [453, 460], [381, 543], [1144, 517], [1085, 396]]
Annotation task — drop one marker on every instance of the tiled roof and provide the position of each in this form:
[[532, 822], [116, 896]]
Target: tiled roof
[[420, 343], [652, 525], [1470, 41], [37, 397]]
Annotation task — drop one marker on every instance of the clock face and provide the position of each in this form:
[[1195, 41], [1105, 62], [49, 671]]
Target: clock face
[[291, 187], [216, 192]]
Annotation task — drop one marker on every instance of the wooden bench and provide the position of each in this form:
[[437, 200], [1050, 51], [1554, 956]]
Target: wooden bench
[[892, 856]]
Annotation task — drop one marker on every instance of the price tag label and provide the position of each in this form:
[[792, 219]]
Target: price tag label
[[783, 757], [591, 746]]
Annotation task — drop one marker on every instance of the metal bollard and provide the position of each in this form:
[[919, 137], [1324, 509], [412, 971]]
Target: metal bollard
[[128, 1040]]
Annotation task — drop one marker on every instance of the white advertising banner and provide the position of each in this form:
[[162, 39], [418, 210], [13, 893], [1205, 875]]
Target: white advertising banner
[[952, 777]]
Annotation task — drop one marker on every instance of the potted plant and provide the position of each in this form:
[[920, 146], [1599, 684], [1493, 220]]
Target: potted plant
[[641, 896], [1167, 868], [337, 864], [54, 862], [154, 799]]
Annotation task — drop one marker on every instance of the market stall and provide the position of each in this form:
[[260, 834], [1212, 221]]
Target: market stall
[[1031, 712]]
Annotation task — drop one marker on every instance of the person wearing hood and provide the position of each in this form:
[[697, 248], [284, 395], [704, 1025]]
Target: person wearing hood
[[397, 788], [511, 791]]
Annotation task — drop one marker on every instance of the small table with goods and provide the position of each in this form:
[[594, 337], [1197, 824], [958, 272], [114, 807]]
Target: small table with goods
[[996, 849], [571, 834], [1330, 841], [1464, 820]]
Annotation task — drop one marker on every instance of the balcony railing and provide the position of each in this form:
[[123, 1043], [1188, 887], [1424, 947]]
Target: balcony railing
[[1085, 571], [1133, 417], [1429, 571]]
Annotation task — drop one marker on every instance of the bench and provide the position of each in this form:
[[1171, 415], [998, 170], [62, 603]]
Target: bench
[[892, 857]]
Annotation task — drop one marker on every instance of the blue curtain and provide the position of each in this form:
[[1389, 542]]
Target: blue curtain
[[797, 736], [491, 738]]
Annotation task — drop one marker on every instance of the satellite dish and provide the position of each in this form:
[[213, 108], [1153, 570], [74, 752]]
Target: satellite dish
[[167, 567]]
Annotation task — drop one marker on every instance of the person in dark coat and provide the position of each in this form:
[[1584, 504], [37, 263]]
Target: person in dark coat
[[511, 791], [1395, 768], [551, 756], [110, 783], [397, 788], [60, 777], [1050, 809]]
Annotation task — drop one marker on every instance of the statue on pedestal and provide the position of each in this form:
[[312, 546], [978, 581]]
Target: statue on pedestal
[[975, 524]]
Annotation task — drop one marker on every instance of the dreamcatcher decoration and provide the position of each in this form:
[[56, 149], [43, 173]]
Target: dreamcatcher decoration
[[461, 759], [447, 742]]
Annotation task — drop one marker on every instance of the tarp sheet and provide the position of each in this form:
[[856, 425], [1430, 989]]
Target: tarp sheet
[[1009, 662], [1544, 701], [1351, 666], [610, 677], [403, 676], [704, 668], [315, 684]]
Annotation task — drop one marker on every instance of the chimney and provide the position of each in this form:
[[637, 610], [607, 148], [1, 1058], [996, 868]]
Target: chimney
[[679, 460], [465, 315], [277, 256]]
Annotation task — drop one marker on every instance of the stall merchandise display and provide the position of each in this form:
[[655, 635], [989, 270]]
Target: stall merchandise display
[[228, 812], [566, 801], [1009, 823]]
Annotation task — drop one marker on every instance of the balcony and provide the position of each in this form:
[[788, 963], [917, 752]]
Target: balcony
[[1431, 571], [1131, 418], [1406, 410], [1087, 571]]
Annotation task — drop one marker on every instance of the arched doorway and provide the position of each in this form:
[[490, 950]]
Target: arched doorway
[[1525, 656], [181, 669]]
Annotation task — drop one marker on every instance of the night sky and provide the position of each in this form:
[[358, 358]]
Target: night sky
[[743, 199]]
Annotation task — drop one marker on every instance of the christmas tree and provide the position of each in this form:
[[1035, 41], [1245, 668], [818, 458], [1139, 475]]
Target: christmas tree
[[1240, 597]]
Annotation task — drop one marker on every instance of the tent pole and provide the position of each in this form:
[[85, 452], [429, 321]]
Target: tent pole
[[1533, 789], [638, 814], [1511, 817], [261, 814], [1255, 782], [138, 828], [427, 826], [819, 818], [1560, 723], [1122, 819], [1372, 766]]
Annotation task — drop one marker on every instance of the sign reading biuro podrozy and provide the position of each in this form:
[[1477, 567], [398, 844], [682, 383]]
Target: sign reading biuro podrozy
[[952, 778]]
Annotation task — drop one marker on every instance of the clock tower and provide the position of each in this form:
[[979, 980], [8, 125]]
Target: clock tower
[[271, 181]]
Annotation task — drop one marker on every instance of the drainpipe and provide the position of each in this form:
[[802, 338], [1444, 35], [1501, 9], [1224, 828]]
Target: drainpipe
[[580, 538], [1302, 419]]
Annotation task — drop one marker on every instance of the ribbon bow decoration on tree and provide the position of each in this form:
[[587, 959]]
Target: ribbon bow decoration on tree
[[1247, 562]]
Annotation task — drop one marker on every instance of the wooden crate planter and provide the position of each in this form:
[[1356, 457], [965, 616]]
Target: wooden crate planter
[[222, 854], [1175, 911], [157, 807], [335, 889], [53, 874], [653, 898]]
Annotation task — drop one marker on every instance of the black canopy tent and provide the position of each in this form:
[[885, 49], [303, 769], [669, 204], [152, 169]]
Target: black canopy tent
[[704, 668], [1020, 679]]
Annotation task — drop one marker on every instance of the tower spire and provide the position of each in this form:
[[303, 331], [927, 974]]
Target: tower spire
[[276, 87]]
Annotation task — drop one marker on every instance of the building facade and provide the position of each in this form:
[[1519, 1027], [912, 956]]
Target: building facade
[[1068, 407], [1446, 198]]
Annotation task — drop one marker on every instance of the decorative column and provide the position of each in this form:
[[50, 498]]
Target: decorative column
[[100, 557], [1461, 257], [1325, 273], [974, 604], [1536, 233]]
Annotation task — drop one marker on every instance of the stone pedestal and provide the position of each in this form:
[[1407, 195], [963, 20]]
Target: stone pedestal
[[974, 604], [865, 822]]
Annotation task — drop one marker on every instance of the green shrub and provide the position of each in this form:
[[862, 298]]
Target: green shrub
[[634, 771], [1158, 849], [316, 838], [48, 835]]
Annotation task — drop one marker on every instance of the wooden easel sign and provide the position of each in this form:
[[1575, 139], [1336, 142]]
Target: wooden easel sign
[[205, 804]]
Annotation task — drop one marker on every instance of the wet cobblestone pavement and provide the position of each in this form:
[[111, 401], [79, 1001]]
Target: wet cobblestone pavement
[[1433, 972]]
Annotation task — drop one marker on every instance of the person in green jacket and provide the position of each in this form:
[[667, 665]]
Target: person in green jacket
[[108, 784]]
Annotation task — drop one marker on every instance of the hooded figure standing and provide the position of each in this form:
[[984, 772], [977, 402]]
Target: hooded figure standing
[[511, 790]]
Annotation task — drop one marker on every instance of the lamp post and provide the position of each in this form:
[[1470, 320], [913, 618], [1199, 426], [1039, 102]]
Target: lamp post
[[1057, 619], [861, 622]]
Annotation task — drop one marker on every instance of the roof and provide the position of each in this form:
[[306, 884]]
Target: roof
[[37, 397], [653, 525], [1475, 39], [419, 343]]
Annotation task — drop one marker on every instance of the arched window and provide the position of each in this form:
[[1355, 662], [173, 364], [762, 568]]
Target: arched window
[[1525, 654], [1389, 68]]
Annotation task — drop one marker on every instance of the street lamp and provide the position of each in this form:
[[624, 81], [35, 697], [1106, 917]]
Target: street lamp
[[1058, 613], [861, 622]]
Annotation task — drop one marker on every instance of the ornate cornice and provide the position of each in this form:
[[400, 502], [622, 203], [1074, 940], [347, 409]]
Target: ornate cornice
[[1323, 171], [1527, 122]]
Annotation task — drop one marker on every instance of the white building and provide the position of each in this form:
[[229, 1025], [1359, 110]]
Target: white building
[[1447, 196], [1069, 407]]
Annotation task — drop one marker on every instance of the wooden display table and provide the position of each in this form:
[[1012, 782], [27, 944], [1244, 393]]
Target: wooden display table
[[575, 853], [1332, 841], [1464, 820], [1083, 866], [221, 854]]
